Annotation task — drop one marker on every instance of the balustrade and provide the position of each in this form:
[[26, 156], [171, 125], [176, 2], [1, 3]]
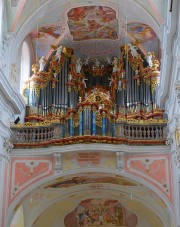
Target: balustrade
[[121, 131]]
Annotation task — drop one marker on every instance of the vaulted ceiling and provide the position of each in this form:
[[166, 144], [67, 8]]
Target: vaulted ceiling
[[92, 28]]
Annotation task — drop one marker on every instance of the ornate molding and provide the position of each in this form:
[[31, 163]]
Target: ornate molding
[[8, 37], [15, 99], [5, 132], [8, 146]]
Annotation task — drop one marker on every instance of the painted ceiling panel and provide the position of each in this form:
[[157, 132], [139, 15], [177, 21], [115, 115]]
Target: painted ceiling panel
[[93, 22], [145, 35], [98, 212], [156, 8], [44, 38]]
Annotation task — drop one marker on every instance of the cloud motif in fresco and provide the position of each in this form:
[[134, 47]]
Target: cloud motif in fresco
[[93, 22]]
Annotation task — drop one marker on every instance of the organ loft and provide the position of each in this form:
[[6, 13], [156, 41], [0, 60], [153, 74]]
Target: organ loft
[[108, 99]]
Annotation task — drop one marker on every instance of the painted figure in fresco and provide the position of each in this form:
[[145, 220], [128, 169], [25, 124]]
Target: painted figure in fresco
[[58, 53], [78, 65], [42, 62], [149, 59], [133, 50]]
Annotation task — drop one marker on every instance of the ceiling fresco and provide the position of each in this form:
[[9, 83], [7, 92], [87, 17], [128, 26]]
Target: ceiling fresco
[[89, 35], [100, 212], [44, 37], [86, 204], [91, 178], [145, 35], [92, 22]]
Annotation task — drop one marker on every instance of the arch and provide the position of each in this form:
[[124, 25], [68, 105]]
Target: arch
[[25, 194]]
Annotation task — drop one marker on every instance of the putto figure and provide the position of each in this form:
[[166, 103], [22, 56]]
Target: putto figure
[[133, 50]]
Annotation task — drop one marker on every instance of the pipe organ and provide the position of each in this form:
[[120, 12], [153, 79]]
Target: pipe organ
[[82, 97]]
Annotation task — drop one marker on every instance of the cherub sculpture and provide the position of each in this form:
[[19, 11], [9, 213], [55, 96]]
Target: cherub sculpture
[[133, 50]]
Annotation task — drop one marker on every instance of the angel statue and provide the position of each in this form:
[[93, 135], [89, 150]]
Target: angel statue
[[58, 52], [149, 59], [78, 65], [42, 62], [133, 50]]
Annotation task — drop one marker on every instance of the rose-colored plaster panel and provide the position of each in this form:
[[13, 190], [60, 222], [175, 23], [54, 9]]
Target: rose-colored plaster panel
[[27, 171], [153, 168]]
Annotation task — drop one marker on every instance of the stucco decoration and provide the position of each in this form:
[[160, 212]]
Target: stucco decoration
[[27, 171], [153, 168]]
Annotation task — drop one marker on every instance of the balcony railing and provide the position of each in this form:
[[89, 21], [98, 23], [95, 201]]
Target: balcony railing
[[69, 131]]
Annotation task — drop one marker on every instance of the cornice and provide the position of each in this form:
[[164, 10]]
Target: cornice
[[131, 150], [13, 99]]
